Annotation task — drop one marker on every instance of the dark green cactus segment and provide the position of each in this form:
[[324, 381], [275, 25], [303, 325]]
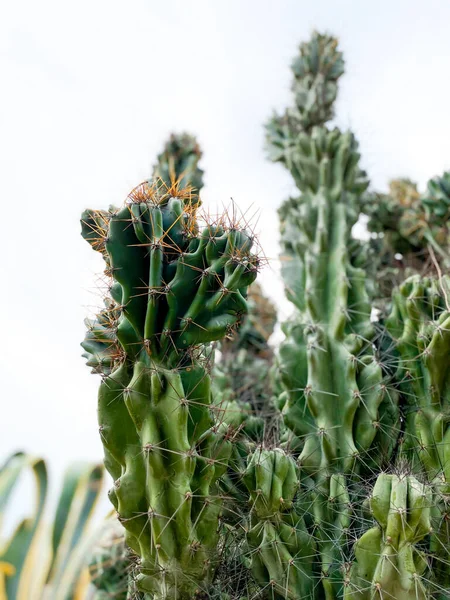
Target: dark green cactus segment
[[178, 164], [281, 549], [173, 290], [388, 561], [420, 325], [178, 289]]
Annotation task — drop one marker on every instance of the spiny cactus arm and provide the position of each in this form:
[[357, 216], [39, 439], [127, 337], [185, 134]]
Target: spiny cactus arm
[[180, 289], [387, 559], [178, 163], [336, 333], [420, 324], [281, 549]]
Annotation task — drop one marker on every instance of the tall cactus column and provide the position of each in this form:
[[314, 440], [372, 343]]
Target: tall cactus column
[[333, 394], [173, 291]]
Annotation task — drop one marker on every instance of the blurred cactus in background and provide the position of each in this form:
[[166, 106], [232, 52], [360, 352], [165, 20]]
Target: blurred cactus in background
[[410, 230], [241, 377], [178, 163]]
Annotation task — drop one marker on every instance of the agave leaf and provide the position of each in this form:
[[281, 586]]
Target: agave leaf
[[79, 495], [20, 552]]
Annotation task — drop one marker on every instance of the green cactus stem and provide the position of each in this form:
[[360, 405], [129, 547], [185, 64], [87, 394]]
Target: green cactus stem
[[388, 562], [281, 549], [175, 289]]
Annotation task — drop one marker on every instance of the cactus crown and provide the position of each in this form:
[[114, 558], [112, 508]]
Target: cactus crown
[[173, 287]]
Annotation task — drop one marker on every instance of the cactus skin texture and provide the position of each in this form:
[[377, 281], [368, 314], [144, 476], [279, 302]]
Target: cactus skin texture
[[316, 71], [334, 385], [420, 324], [388, 561], [281, 549], [176, 290]]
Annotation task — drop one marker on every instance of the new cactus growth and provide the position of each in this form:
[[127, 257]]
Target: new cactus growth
[[176, 290], [281, 549], [389, 563]]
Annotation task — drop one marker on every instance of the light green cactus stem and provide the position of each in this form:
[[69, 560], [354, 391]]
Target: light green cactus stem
[[316, 72], [388, 562], [176, 290], [178, 163], [333, 383], [335, 399], [281, 549], [420, 325]]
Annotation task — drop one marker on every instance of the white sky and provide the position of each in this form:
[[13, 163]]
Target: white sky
[[90, 91]]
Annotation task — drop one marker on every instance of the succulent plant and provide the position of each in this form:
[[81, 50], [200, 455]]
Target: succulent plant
[[281, 549], [177, 289], [40, 562], [178, 163], [388, 560]]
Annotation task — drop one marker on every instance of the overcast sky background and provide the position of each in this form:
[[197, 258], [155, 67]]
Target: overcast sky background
[[90, 91]]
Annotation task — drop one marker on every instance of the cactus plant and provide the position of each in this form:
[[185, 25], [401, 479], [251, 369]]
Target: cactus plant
[[281, 549], [389, 562], [178, 163], [177, 290], [353, 501], [334, 398], [411, 230]]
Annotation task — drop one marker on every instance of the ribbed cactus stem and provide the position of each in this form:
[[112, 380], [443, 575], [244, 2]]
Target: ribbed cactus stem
[[333, 373], [388, 562], [420, 324], [175, 290], [281, 549]]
